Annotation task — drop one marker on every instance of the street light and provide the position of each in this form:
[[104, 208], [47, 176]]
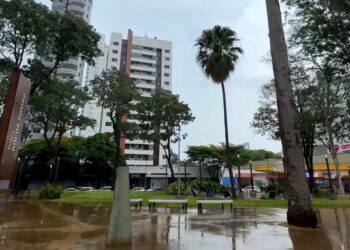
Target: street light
[[178, 164], [239, 174], [329, 174]]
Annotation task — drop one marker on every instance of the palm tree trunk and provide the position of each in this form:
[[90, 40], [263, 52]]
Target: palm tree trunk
[[227, 143], [300, 212]]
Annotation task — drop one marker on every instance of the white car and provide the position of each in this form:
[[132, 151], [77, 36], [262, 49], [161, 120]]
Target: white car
[[106, 188], [249, 188], [71, 190], [137, 189], [88, 189]]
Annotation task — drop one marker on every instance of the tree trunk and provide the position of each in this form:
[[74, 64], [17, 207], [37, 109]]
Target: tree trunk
[[227, 144], [300, 212], [119, 230], [340, 186], [170, 165]]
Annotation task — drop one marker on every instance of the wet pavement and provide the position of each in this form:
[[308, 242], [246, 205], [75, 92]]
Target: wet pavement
[[35, 225]]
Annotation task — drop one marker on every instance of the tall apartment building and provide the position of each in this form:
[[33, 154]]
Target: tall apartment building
[[73, 69], [148, 61]]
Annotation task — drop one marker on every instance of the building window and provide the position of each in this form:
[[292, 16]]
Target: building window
[[108, 114], [167, 58], [166, 74], [167, 66], [115, 51], [167, 51], [114, 59], [115, 43], [166, 83], [108, 124]]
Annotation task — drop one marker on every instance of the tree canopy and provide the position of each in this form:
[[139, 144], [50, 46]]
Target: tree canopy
[[161, 116]]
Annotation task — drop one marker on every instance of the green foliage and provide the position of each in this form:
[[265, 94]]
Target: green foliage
[[99, 149], [165, 111], [160, 118], [116, 92], [56, 110], [197, 153], [24, 29], [209, 187], [217, 52], [321, 28], [50, 192], [174, 187]]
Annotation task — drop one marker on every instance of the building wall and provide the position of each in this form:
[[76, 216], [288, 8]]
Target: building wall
[[149, 63]]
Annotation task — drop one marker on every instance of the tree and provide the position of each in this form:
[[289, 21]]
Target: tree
[[265, 120], [217, 56], [57, 110], [319, 33], [116, 92], [31, 29], [99, 151], [161, 116], [23, 30], [300, 211], [321, 27]]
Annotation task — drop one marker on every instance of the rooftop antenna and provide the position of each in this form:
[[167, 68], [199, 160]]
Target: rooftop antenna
[[146, 31]]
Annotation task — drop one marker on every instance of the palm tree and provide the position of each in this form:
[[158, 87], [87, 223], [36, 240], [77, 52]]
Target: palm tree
[[217, 56], [300, 211]]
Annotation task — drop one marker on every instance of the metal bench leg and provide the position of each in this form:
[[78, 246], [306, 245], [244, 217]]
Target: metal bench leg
[[149, 206], [222, 206], [140, 205], [231, 207]]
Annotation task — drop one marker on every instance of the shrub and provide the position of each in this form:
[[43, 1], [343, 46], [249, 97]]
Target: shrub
[[50, 192], [174, 187]]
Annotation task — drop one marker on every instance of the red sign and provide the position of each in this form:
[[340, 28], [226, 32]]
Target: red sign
[[342, 148]]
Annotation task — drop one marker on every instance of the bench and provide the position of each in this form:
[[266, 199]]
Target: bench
[[222, 202], [152, 203], [137, 201]]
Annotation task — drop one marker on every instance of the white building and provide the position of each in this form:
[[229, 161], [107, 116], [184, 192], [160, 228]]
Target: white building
[[148, 61]]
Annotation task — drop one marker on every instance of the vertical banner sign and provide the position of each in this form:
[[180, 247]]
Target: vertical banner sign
[[11, 125]]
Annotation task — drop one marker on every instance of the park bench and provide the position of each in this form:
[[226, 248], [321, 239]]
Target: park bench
[[152, 203], [216, 201], [137, 202]]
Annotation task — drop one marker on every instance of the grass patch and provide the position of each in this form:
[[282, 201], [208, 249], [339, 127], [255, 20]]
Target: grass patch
[[106, 198]]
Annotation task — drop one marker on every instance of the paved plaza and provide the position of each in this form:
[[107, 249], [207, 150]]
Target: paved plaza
[[37, 225]]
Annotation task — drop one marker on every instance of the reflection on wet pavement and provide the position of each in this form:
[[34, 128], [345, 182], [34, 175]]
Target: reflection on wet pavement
[[65, 226]]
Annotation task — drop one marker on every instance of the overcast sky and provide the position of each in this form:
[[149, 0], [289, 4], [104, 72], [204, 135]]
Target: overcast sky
[[182, 21]]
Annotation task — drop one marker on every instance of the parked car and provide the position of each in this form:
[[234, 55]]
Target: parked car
[[71, 190], [88, 189], [249, 188], [106, 188], [138, 189]]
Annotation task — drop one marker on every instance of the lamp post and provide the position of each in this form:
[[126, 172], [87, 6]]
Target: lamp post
[[146, 173], [329, 174], [251, 175], [57, 169], [239, 174], [178, 164]]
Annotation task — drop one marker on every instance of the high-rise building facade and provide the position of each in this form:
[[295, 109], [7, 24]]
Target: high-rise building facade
[[148, 61]]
